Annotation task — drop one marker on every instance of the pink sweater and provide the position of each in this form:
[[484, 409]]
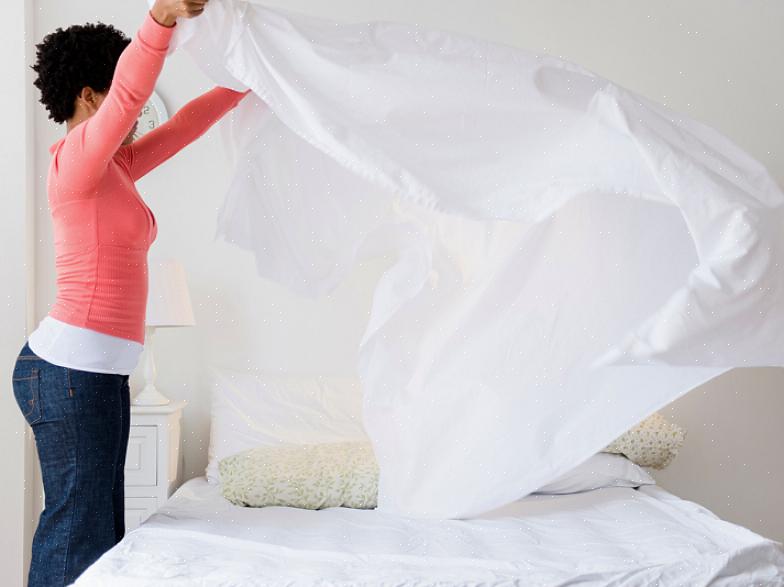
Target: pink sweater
[[102, 227]]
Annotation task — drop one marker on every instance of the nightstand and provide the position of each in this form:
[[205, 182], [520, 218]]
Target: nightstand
[[152, 466]]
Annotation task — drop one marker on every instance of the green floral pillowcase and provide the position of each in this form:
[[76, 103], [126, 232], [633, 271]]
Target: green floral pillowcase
[[654, 442], [315, 476]]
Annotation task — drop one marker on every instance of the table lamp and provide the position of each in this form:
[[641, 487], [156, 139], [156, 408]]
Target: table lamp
[[168, 305]]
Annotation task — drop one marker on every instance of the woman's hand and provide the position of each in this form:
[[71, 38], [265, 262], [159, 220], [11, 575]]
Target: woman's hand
[[165, 12]]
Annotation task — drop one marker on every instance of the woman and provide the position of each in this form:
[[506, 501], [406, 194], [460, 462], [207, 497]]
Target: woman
[[71, 377]]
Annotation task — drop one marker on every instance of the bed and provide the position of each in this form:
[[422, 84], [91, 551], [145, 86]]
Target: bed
[[610, 536]]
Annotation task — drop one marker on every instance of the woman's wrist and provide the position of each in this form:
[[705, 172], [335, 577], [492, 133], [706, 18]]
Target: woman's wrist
[[163, 18]]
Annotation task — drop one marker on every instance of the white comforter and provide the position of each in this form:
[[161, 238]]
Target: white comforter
[[613, 536]]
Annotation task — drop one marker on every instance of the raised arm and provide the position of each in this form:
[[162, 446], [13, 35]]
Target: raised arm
[[90, 145], [189, 123]]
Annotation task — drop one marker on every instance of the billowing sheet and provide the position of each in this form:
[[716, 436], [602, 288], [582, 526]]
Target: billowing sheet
[[569, 256], [610, 536]]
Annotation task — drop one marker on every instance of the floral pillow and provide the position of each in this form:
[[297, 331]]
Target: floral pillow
[[308, 476], [654, 442]]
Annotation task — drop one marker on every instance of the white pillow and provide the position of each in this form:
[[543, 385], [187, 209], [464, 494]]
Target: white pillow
[[601, 470], [345, 474], [262, 409], [252, 409]]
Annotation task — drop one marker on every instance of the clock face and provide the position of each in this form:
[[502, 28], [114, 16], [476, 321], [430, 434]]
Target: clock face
[[153, 115]]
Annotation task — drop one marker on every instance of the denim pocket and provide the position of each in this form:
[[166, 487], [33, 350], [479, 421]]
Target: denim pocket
[[27, 394]]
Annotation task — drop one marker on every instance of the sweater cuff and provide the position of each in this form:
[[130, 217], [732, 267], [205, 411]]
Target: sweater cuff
[[155, 34]]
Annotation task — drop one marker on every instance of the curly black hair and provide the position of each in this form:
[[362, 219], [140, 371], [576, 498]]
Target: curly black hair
[[68, 60]]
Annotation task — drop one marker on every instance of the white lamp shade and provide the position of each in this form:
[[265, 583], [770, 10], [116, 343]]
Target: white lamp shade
[[168, 300]]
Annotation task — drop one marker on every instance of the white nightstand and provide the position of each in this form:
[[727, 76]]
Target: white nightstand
[[152, 467]]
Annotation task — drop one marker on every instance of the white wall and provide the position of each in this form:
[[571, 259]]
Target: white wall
[[16, 201], [714, 59], [731, 460]]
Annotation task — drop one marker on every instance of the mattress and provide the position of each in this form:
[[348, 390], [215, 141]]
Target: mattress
[[611, 536]]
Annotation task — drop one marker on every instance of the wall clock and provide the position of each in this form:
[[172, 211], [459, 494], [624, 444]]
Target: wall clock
[[153, 115]]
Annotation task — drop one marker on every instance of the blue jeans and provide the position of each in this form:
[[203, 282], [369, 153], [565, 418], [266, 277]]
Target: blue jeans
[[80, 421]]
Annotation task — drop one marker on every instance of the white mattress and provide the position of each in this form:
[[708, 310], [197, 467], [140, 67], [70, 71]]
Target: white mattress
[[613, 536]]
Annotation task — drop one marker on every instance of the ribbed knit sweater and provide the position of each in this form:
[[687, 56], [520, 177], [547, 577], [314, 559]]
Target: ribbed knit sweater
[[102, 227]]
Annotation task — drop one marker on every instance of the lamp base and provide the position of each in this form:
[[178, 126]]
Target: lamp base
[[150, 396]]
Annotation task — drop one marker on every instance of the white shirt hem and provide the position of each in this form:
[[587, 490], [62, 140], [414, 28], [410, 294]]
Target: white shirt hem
[[73, 347]]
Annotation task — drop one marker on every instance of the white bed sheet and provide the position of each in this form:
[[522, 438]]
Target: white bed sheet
[[612, 536], [560, 246]]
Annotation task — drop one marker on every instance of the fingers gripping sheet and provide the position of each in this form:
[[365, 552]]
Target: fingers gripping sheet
[[569, 256]]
